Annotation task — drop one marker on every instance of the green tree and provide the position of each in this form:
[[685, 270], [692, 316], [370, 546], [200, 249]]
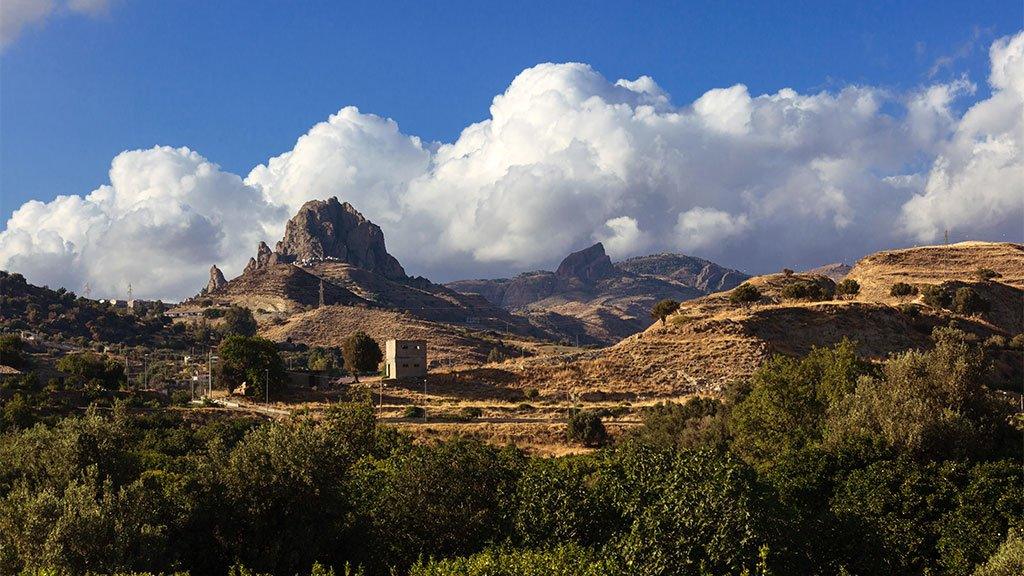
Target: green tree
[[566, 500], [12, 351], [586, 428], [789, 399], [848, 287], [239, 321], [663, 309], [698, 423], [252, 360], [361, 353], [968, 302], [89, 368], [410, 503], [929, 404], [699, 512]]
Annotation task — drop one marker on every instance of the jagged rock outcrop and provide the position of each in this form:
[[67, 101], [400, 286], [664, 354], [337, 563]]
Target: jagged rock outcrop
[[590, 298], [217, 280], [699, 273], [588, 265], [332, 230], [250, 266], [263, 255]]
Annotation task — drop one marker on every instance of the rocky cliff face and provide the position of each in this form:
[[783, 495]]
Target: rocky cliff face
[[217, 280], [331, 230], [588, 265], [590, 296], [698, 273]]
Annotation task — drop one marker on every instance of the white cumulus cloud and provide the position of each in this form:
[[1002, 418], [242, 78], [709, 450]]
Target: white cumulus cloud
[[566, 157]]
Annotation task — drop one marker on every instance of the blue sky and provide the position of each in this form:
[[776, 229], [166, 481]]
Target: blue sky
[[163, 137], [240, 81]]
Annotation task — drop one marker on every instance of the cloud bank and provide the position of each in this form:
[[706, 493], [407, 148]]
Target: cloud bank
[[565, 158]]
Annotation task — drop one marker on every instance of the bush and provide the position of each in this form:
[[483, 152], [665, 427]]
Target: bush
[[181, 397], [495, 356], [413, 412], [787, 272], [90, 368], [11, 351], [744, 293], [848, 287], [996, 341], [901, 289], [908, 309], [968, 302], [1017, 342], [586, 428], [524, 407], [804, 291], [471, 412], [936, 296], [531, 393], [664, 309], [984, 274]]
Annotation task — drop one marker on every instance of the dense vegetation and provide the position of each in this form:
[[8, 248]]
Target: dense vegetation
[[821, 465], [60, 314]]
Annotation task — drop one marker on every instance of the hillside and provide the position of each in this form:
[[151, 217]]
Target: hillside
[[591, 300], [712, 341], [63, 315], [331, 275]]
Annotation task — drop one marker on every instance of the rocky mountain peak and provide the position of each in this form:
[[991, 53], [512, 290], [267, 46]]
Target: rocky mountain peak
[[332, 230], [217, 279], [588, 265]]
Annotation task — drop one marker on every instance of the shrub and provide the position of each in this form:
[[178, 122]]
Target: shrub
[[967, 301], [1017, 342], [901, 289], [413, 412], [744, 293], [936, 296], [664, 309], [531, 393], [848, 287], [524, 407], [11, 348], [586, 428], [984, 274], [471, 412], [804, 291], [181, 397], [787, 272], [996, 341], [495, 356]]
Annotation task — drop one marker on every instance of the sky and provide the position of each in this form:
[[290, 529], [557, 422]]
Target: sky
[[142, 142]]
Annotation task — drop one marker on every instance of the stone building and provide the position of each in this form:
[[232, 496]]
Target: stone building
[[405, 359]]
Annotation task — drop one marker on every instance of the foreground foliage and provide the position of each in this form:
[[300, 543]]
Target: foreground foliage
[[820, 465]]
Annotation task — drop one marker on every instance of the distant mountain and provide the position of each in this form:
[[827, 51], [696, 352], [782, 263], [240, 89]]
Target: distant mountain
[[590, 299], [334, 261], [836, 271], [712, 341]]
